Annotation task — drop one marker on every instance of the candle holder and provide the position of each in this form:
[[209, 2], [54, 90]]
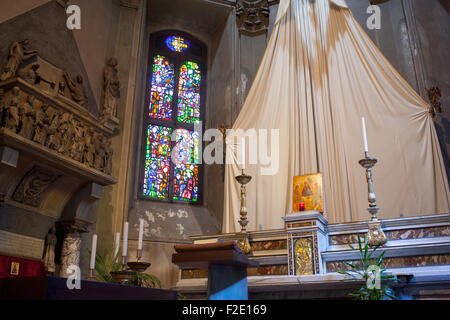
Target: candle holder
[[244, 243], [92, 274], [376, 236]]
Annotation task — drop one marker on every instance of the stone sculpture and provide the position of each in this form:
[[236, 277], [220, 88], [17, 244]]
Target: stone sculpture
[[18, 52], [111, 88], [49, 252], [42, 124], [12, 119], [76, 88], [54, 139], [27, 116], [29, 73], [109, 152]]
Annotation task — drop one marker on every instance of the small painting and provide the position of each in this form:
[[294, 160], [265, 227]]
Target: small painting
[[308, 193], [14, 268]]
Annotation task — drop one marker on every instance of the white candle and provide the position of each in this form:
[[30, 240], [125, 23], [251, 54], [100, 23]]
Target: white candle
[[243, 153], [125, 240], [141, 233], [366, 146], [116, 251], [93, 251]]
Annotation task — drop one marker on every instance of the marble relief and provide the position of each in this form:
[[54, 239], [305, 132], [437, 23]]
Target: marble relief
[[269, 270], [399, 262], [418, 233], [269, 245]]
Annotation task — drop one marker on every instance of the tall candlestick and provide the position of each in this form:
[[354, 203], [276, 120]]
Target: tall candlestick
[[125, 240], [366, 146], [117, 247], [141, 234], [93, 251]]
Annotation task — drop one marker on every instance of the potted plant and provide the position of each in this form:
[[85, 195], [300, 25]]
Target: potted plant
[[371, 271]]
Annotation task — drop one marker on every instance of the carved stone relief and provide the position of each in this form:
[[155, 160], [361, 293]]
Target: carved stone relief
[[252, 16], [32, 188], [61, 131]]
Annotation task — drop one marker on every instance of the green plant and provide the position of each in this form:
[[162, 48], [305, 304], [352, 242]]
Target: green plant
[[105, 264], [141, 279], [370, 270]]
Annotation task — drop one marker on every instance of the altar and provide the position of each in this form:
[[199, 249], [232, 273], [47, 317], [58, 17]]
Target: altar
[[417, 253]]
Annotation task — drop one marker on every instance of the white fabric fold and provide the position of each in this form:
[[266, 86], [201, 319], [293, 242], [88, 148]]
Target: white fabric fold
[[320, 74]]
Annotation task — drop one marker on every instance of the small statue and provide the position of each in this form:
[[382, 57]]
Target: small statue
[[12, 119], [77, 148], [67, 132], [76, 88], [49, 252], [42, 123], [109, 152], [62, 88], [100, 152], [27, 115], [54, 139], [18, 52], [29, 73], [111, 88], [89, 148]]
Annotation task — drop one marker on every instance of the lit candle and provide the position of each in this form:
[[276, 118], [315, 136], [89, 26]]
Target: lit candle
[[125, 239], [141, 233], [366, 146], [116, 251], [93, 251]]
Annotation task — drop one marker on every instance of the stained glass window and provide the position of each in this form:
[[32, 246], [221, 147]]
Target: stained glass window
[[157, 162], [172, 156], [177, 44], [186, 158], [189, 93], [162, 88]]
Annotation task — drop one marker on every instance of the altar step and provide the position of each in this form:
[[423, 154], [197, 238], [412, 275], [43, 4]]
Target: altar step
[[416, 283]]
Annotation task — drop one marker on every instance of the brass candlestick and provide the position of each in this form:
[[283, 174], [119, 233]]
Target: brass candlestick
[[243, 243], [92, 274], [376, 236]]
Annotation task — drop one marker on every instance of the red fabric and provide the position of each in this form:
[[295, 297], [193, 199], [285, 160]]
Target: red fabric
[[27, 268]]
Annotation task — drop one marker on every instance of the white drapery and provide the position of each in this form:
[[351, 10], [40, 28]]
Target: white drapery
[[320, 74]]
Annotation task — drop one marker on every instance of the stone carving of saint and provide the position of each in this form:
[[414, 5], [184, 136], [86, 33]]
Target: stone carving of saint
[[54, 139], [100, 152], [89, 148], [29, 73], [18, 52], [42, 123], [12, 119], [111, 88], [67, 132], [108, 157], [27, 116], [49, 252], [76, 89], [77, 148]]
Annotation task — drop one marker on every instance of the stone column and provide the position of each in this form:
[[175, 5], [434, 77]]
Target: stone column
[[72, 243]]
